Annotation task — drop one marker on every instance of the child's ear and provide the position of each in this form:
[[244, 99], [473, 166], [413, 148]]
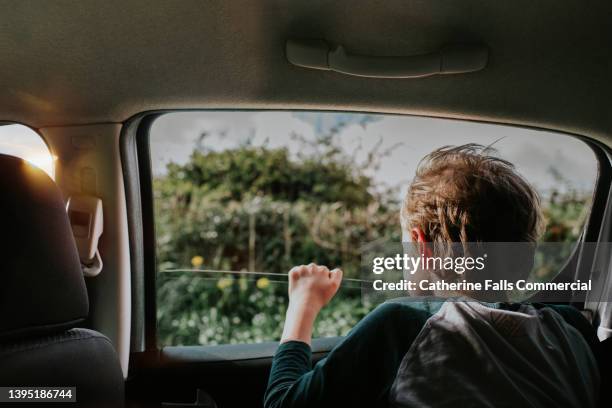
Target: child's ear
[[418, 235]]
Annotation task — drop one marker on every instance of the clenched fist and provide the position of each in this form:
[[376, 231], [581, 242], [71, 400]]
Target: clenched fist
[[313, 285], [310, 288]]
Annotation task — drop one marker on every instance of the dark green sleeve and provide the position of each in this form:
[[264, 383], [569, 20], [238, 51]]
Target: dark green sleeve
[[358, 372], [291, 361]]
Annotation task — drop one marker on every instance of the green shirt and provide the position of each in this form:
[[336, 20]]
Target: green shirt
[[360, 370]]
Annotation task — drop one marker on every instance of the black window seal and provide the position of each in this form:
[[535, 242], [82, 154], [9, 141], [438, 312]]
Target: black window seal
[[138, 182]]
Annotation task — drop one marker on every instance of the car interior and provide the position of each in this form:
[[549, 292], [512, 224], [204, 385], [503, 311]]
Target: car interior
[[83, 251]]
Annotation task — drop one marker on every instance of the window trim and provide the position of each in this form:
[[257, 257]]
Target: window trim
[[138, 181], [135, 156]]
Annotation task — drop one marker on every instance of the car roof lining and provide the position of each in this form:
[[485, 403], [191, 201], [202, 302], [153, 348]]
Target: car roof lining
[[96, 62]]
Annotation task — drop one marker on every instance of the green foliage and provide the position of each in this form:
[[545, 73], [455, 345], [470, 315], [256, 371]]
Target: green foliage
[[260, 209], [238, 174], [565, 215], [249, 209]]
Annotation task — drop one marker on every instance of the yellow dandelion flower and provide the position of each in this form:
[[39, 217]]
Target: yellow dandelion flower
[[263, 283], [197, 261]]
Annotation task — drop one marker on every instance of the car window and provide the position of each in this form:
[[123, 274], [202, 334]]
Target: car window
[[240, 197], [23, 142]]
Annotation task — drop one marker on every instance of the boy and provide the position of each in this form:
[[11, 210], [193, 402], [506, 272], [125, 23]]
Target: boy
[[437, 353]]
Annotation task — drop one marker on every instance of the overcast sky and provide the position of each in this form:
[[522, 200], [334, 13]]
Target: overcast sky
[[173, 137]]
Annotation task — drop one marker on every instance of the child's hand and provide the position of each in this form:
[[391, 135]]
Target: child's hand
[[312, 286]]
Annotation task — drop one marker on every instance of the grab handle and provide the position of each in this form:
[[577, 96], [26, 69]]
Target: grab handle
[[450, 59]]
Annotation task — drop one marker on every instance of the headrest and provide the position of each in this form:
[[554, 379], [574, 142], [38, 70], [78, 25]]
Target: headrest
[[42, 289]]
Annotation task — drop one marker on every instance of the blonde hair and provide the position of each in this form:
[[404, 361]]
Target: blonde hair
[[465, 193]]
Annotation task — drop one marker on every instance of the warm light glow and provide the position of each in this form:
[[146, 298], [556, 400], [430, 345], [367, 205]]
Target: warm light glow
[[43, 161], [21, 141]]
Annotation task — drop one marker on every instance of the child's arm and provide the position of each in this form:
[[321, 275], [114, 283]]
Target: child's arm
[[357, 372], [360, 369], [310, 288]]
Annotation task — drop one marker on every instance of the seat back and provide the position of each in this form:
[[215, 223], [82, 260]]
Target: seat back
[[43, 296]]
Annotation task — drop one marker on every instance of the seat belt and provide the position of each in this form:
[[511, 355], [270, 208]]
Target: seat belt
[[86, 220]]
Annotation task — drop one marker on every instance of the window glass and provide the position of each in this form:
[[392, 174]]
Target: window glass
[[25, 143], [241, 197]]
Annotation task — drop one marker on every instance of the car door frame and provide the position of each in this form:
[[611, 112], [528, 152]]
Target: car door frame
[[175, 373]]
